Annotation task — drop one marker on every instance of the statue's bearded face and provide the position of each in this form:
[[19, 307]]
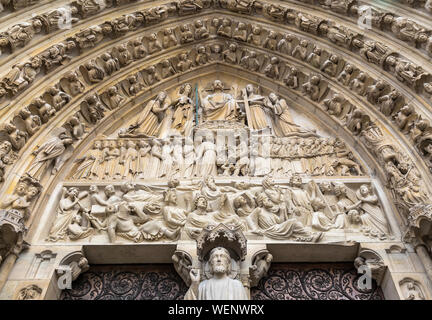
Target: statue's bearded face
[[219, 260]]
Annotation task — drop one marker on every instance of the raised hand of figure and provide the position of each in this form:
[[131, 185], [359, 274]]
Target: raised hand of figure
[[195, 276]]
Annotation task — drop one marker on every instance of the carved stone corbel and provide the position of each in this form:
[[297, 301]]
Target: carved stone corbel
[[261, 262], [374, 262], [75, 263], [183, 264]]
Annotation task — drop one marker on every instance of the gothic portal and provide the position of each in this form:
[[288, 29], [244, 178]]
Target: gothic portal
[[215, 149]]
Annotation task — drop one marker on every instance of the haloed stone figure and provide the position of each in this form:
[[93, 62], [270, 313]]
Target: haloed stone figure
[[220, 286]]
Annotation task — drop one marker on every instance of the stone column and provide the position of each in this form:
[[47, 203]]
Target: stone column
[[7, 265], [425, 258]]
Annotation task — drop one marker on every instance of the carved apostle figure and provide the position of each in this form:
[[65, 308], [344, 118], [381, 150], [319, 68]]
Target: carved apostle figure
[[219, 105], [220, 286]]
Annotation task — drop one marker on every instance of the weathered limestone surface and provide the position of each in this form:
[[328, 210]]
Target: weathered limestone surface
[[137, 131]]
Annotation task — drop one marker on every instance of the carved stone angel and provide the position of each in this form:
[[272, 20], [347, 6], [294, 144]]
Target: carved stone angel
[[359, 84], [387, 103], [109, 63], [374, 92], [405, 118], [71, 84], [183, 107], [312, 87], [93, 72], [291, 77], [337, 106], [240, 32], [345, 76], [32, 122], [201, 31], [358, 121], [230, 54], [58, 98], [202, 56], [44, 109], [113, 98], [154, 44], [92, 109], [16, 137], [283, 123], [138, 49], [271, 70]]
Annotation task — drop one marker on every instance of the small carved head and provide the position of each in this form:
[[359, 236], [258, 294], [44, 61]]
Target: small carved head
[[217, 85], [364, 190], [201, 202], [72, 192], [170, 196], [354, 216]]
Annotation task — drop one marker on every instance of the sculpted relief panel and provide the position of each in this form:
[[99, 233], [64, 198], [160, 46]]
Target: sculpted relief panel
[[293, 211], [192, 148]]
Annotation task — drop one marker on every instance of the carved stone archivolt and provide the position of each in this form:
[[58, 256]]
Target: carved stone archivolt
[[92, 111]]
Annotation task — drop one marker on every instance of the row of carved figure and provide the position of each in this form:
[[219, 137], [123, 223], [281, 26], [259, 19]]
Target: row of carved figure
[[426, 4], [19, 35], [183, 158], [404, 176], [15, 5], [374, 52], [122, 55], [143, 212], [390, 102], [410, 190], [401, 27]]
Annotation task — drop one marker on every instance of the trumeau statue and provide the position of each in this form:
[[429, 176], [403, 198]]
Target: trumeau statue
[[220, 286]]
